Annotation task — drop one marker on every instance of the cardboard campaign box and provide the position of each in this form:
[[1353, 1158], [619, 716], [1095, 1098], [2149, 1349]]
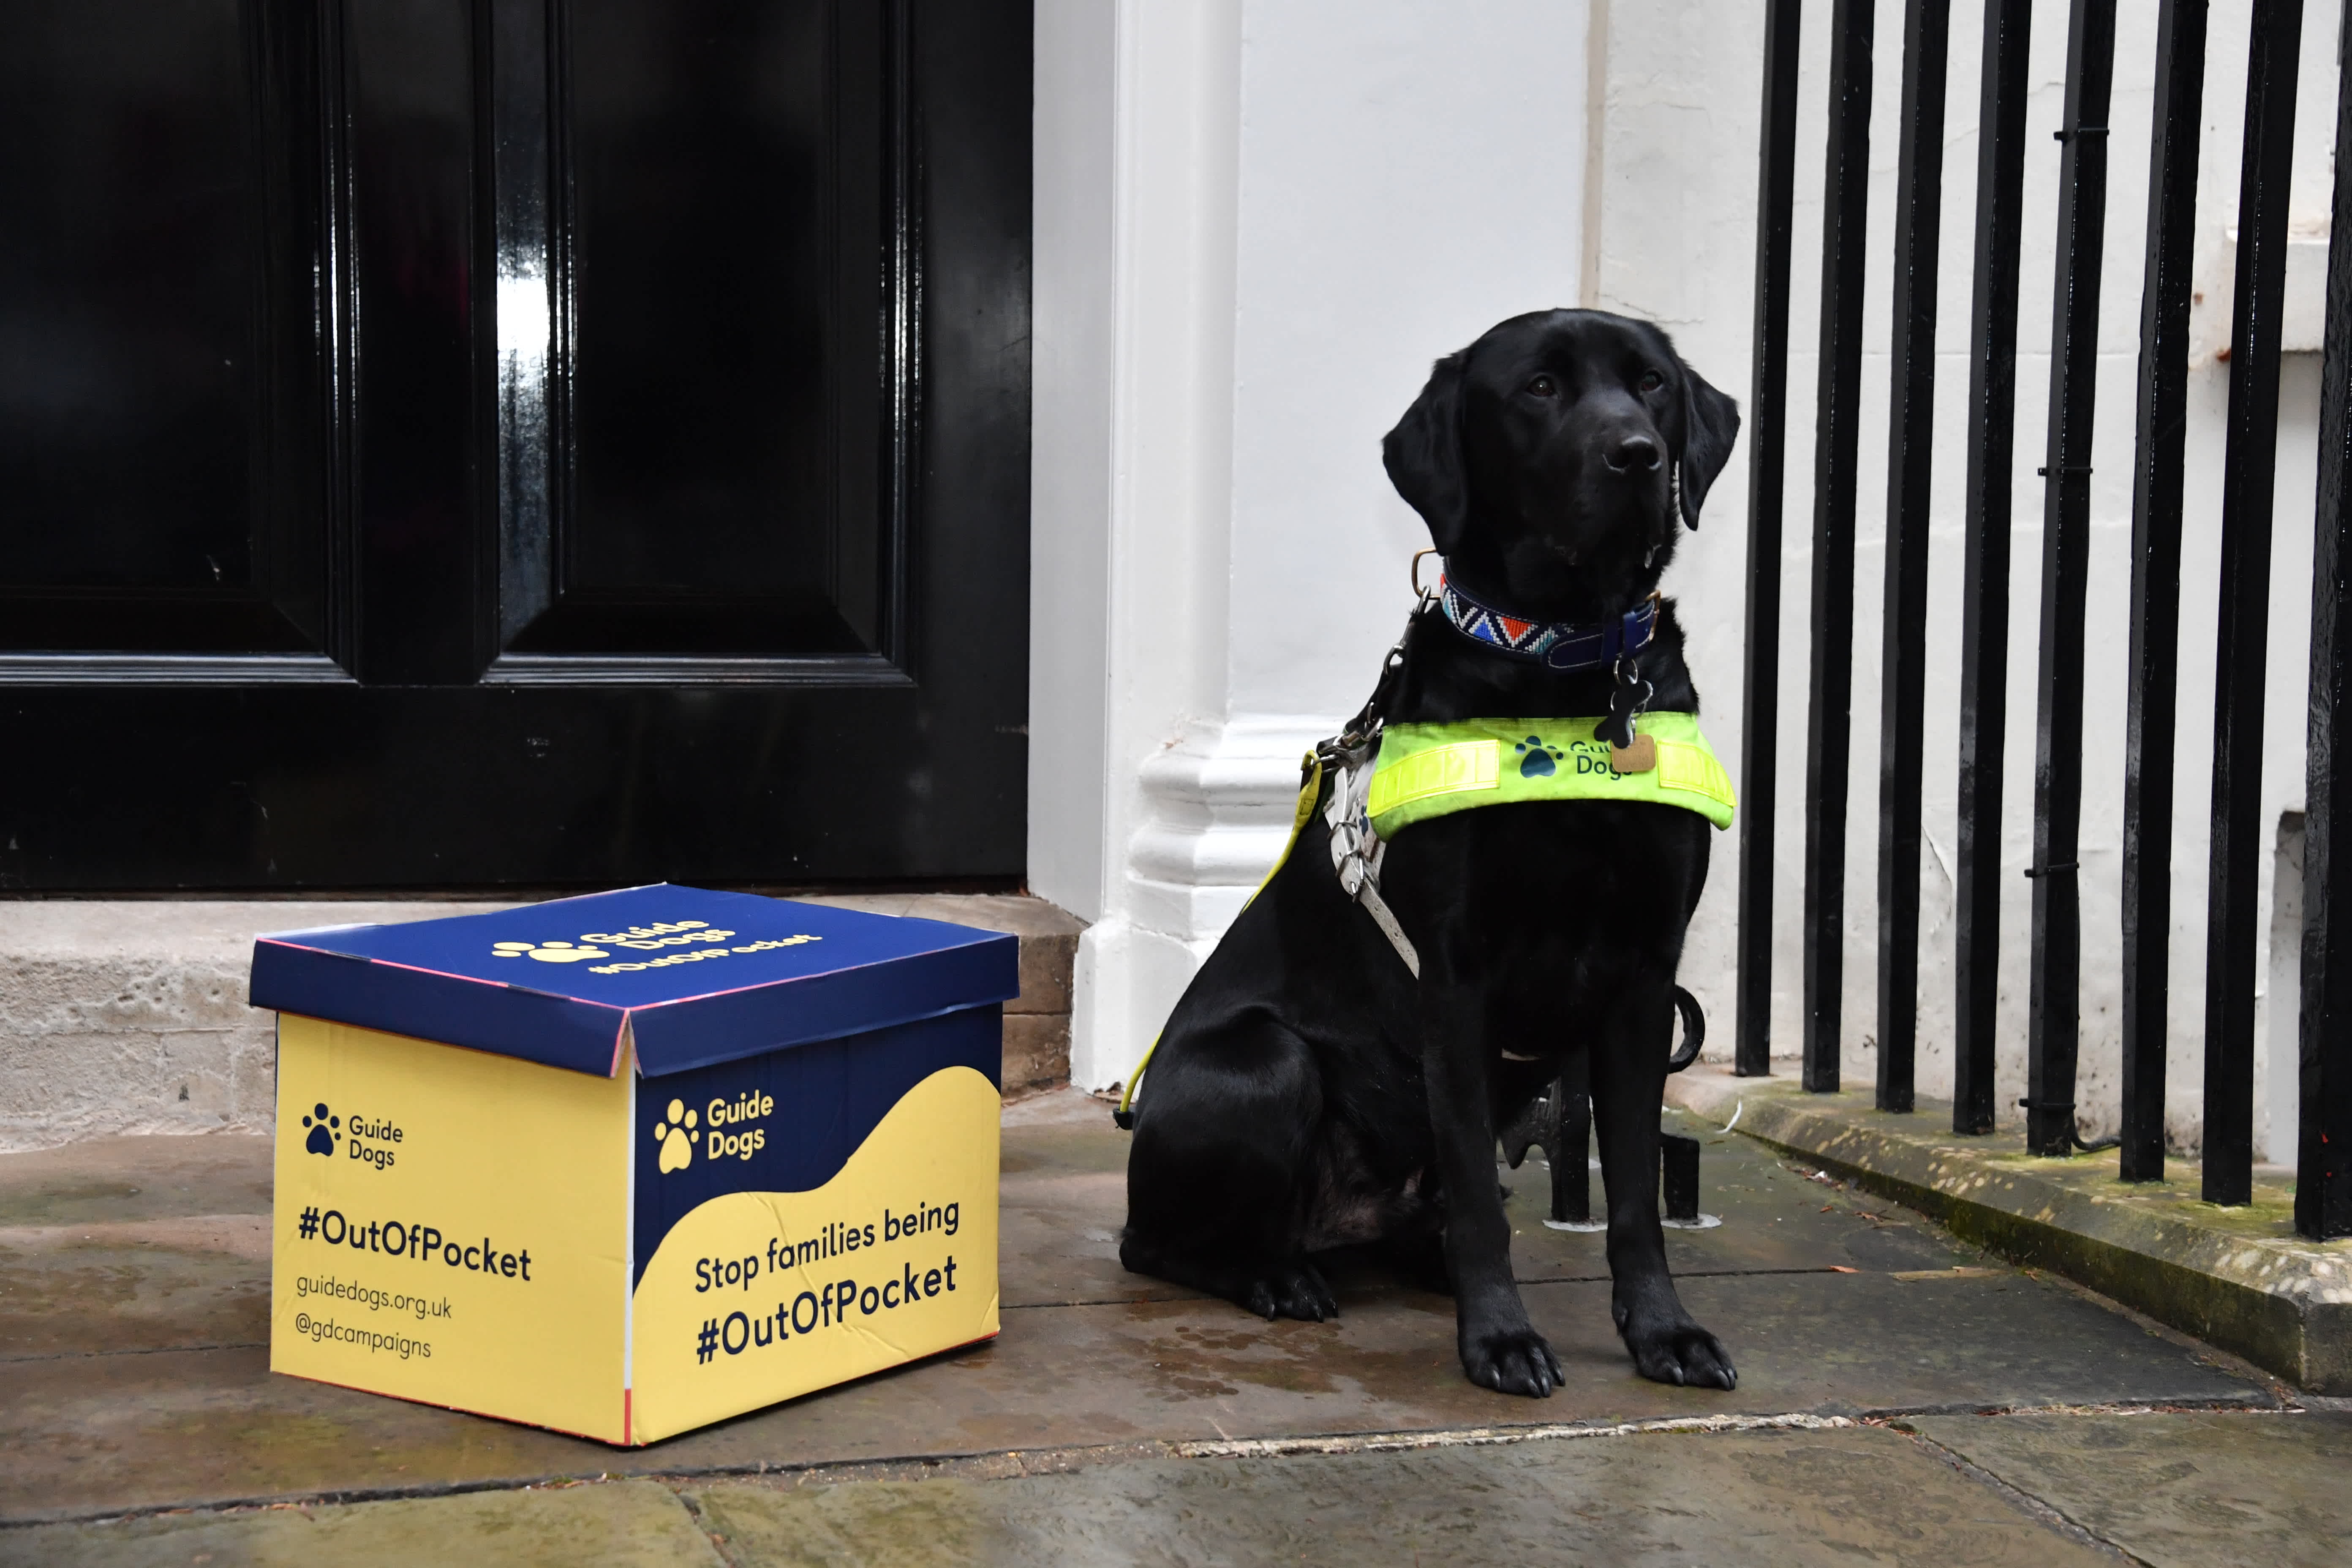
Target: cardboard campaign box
[[627, 1165]]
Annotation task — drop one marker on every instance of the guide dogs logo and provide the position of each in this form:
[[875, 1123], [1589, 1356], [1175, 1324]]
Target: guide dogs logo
[[323, 1132], [331, 1134], [679, 1131], [677, 1136], [546, 951]]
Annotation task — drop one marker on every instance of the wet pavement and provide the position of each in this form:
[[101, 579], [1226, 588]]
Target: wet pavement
[[1901, 1399]]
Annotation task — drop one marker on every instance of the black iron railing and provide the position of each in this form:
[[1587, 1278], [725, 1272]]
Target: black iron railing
[[2324, 1191], [2157, 484]]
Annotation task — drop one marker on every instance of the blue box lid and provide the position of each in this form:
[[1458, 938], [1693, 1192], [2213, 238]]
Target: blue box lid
[[695, 977]]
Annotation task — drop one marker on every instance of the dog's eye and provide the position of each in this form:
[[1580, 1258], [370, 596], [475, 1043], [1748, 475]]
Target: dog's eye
[[1543, 386], [1652, 380]]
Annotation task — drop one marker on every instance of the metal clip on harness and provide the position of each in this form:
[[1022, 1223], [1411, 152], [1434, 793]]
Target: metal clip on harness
[[1349, 760], [1355, 850]]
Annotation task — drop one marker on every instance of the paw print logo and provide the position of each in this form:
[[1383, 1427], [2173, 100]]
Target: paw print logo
[[676, 1134], [1539, 760], [323, 1132], [546, 952]]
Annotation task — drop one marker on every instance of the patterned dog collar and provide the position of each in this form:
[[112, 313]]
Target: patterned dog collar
[[1559, 645]]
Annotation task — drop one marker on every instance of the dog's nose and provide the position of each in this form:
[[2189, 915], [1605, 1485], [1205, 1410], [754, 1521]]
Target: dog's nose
[[1629, 453]]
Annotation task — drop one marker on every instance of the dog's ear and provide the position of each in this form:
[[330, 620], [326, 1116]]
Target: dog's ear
[[1710, 425], [1423, 456]]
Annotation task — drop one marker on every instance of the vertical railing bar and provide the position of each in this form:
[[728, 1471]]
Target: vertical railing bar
[[2158, 457], [2248, 471], [2053, 1023], [1767, 470], [2323, 1186], [1830, 717], [1911, 437], [1984, 624]]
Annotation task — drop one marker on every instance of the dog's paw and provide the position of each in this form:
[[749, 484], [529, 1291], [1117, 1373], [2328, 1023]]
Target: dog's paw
[[1511, 1360], [1676, 1350], [1295, 1291]]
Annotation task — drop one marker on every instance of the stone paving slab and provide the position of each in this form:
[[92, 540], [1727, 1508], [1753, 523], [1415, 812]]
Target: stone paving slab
[[103, 1434], [2238, 1277], [2206, 1490], [1796, 1497], [117, 1180], [1829, 1306], [622, 1524], [146, 1285], [2238, 1490], [1116, 1420]]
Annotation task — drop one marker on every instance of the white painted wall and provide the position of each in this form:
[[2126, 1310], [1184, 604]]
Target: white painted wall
[[1309, 201], [1260, 219]]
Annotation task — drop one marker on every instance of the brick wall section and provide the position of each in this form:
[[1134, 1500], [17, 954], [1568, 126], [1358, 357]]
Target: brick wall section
[[129, 1016]]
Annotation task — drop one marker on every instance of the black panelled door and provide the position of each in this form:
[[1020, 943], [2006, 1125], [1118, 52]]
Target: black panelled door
[[549, 443]]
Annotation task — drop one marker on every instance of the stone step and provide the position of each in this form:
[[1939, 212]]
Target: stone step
[[2238, 1277], [129, 1016]]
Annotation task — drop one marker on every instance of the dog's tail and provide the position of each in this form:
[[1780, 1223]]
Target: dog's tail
[[1693, 1030]]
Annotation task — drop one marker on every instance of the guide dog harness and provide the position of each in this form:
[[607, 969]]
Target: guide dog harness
[[1386, 777]]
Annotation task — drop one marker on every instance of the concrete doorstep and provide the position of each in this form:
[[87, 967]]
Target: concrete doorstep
[[128, 1016], [2238, 1277]]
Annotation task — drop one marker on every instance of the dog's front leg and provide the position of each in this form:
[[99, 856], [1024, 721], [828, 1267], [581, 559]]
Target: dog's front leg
[[1629, 1080], [1500, 1349]]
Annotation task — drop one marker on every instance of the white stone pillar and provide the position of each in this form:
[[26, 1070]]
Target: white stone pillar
[[1288, 208]]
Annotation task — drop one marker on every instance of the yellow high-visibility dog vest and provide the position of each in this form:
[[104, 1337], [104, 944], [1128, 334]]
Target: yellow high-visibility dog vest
[[1426, 771], [1435, 770]]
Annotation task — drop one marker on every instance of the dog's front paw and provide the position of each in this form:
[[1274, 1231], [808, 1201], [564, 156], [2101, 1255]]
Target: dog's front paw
[[1672, 1349], [1511, 1360], [1293, 1291]]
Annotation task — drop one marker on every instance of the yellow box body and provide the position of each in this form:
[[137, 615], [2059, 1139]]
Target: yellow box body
[[461, 1228]]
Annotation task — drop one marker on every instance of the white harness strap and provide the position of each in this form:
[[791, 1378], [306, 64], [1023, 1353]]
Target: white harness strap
[[1357, 851]]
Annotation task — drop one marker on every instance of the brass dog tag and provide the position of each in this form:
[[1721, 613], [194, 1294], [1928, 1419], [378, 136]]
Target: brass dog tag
[[1638, 758]]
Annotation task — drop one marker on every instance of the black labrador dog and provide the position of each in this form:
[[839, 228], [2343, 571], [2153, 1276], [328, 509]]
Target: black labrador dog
[[1309, 1092]]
